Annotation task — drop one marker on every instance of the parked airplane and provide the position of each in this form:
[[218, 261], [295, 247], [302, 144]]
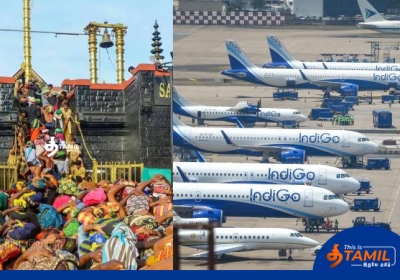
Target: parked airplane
[[251, 200], [342, 81], [244, 112], [277, 143], [281, 58], [323, 176], [373, 20], [229, 240]]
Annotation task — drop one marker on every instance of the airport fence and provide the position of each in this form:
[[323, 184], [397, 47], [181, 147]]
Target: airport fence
[[228, 18]]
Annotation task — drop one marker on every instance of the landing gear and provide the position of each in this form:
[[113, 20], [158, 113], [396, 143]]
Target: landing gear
[[352, 162], [265, 158], [290, 259], [327, 94]]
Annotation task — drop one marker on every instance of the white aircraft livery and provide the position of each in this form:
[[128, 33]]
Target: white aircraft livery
[[323, 176], [342, 81], [272, 142], [281, 58], [251, 200], [228, 240], [244, 112], [189, 221], [373, 20]]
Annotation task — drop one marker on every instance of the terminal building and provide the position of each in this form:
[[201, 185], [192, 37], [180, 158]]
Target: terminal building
[[334, 8]]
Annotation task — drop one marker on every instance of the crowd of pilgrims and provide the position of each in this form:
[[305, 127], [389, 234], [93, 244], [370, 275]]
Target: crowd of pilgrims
[[55, 217]]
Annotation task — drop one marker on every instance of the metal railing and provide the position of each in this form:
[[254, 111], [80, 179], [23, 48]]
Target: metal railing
[[211, 258], [112, 171], [8, 176]]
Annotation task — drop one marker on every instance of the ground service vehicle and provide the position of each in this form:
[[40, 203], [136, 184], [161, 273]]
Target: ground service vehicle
[[361, 221]]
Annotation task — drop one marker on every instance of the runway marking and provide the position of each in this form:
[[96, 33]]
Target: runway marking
[[393, 199]]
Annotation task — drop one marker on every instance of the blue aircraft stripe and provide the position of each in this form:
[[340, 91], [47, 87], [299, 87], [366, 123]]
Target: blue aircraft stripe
[[246, 209]]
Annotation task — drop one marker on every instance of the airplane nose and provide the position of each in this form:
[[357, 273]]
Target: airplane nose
[[311, 242], [374, 148], [353, 185], [303, 118], [342, 207]]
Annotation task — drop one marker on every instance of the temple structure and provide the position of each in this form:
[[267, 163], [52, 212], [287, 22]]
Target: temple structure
[[126, 121]]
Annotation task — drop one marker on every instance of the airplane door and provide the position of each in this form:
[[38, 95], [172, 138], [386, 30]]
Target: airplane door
[[251, 175], [203, 235], [187, 136], [235, 237], [197, 196], [308, 198], [346, 140], [322, 180], [245, 176]]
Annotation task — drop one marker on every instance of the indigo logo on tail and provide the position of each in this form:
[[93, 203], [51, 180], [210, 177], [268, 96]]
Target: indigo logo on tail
[[369, 13], [235, 47], [276, 41]]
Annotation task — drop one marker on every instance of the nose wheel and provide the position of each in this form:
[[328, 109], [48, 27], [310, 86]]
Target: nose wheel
[[290, 258]]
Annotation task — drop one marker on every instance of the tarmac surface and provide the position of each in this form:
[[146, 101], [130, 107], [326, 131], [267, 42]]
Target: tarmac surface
[[204, 46]]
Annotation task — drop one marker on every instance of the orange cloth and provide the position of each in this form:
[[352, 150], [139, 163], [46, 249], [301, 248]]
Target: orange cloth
[[35, 132]]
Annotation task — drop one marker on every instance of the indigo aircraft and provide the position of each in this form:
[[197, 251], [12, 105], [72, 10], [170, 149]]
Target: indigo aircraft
[[276, 143], [373, 20], [323, 176], [258, 200], [229, 240], [344, 82], [244, 112], [281, 58]]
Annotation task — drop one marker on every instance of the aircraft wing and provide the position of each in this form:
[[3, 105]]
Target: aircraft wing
[[322, 83], [221, 249], [255, 148]]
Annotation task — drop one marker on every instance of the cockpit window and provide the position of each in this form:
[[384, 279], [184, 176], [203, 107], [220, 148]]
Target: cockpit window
[[331, 197], [342, 175], [363, 139], [292, 235]]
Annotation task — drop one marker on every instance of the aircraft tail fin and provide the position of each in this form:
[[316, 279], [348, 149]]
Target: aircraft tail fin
[[369, 13], [237, 58], [200, 156], [183, 175], [179, 100], [177, 122], [278, 51]]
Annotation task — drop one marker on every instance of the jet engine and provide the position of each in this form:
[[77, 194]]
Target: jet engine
[[349, 90], [215, 216], [295, 156]]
